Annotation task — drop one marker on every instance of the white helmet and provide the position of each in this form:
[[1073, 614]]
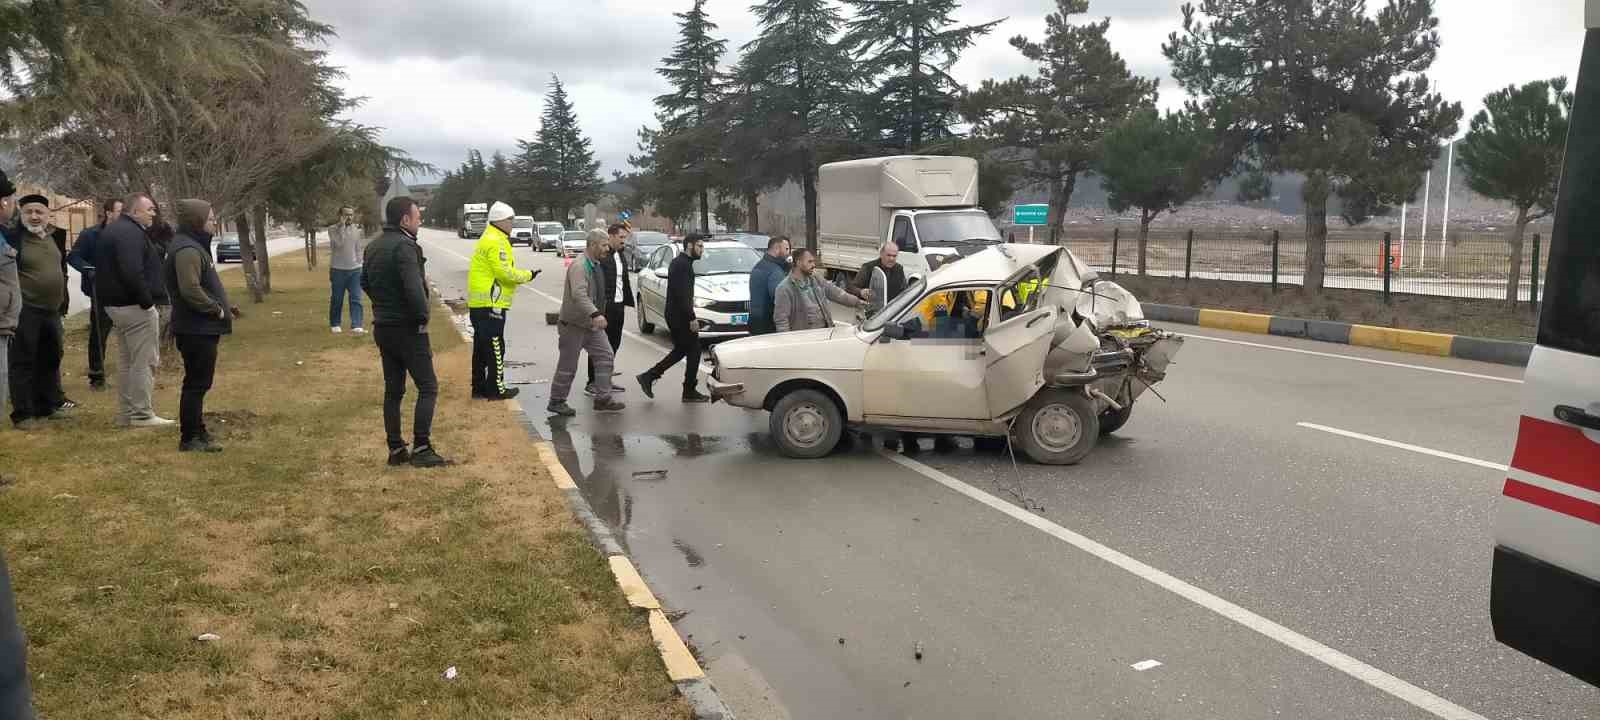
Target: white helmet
[[500, 211]]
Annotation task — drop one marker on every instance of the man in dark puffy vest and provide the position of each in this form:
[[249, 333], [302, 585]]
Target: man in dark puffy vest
[[201, 315]]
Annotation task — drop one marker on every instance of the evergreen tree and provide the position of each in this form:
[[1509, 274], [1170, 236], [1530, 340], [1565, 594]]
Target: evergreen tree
[[558, 167], [802, 87], [687, 148], [1154, 164], [1320, 87], [1056, 118], [907, 48]]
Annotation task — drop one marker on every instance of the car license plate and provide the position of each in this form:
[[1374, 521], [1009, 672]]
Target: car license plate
[[741, 319]]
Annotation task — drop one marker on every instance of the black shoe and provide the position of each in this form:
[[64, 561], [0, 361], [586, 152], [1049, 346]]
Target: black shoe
[[66, 404], [561, 408], [505, 394], [199, 444], [399, 456], [647, 385], [425, 457], [608, 406], [479, 395], [693, 396]]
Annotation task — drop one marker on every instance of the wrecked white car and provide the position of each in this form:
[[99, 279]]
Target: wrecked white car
[[1017, 341]]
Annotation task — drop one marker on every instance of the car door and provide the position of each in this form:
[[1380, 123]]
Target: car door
[[926, 376], [653, 283], [1015, 345], [1545, 585]]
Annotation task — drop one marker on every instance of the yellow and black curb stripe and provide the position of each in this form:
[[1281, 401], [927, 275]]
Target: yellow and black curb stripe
[[1504, 352], [682, 668]]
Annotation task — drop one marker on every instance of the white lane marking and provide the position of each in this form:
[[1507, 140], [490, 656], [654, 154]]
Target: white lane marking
[[1144, 665], [1355, 358], [1403, 446], [1415, 696]]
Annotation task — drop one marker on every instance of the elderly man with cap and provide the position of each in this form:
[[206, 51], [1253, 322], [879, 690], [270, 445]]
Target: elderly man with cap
[[37, 346], [201, 315], [491, 286]]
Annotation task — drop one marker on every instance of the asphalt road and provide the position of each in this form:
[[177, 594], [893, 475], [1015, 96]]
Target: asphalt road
[[1272, 569]]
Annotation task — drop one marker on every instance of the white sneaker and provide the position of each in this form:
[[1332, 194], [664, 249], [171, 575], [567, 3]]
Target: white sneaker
[[359, 330], [154, 421], [336, 329]]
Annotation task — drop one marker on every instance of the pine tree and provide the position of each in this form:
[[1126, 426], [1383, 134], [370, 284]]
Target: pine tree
[[1154, 164], [558, 167], [1057, 117], [908, 47], [1320, 87], [803, 86], [687, 148]]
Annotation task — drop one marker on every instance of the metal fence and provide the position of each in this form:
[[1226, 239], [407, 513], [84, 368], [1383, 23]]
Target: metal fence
[[1466, 265]]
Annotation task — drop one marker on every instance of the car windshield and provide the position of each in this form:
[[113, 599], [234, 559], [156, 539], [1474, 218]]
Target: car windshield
[[905, 299], [522, 222], [956, 228], [649, 239], [572, 235], [550, 228], [725, 260]]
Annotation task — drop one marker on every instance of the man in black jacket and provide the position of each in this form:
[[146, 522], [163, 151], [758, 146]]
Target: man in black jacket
[[127, 270], [682, 323], [619, 296], [889, 260], [394, 277], [201, 315], [37, 346], [82, 258]]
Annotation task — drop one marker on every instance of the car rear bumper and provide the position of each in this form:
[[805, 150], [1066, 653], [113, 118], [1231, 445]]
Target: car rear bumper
[[1546, 612]]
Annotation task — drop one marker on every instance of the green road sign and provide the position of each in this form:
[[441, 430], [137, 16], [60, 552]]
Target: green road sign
[[1030, 214]]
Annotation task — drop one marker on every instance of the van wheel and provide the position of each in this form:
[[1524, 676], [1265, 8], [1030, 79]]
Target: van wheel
[[645, 327], [806, 424], [1057, 427], [1113, 420]]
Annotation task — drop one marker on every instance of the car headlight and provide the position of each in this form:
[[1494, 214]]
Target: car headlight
[[703, 302]]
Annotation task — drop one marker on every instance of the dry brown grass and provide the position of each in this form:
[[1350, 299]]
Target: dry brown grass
[[341, 588]]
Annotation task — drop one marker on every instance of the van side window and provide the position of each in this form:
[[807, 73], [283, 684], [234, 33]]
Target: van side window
[[902, 235], [1569, 318]]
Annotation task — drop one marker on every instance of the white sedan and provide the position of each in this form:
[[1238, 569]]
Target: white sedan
[[574, 242], [721, 288]]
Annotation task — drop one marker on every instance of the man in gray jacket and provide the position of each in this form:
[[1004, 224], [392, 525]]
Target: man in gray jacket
[[582, 328], [344, 271], [802, 300]]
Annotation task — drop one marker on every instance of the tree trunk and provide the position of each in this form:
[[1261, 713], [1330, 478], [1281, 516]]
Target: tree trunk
[[705, 212], [1060, 195], [1514, 283], [311, 249], [1144, 237], [247, 257], [263, 259], [753, 205], [809, 185], [1315, 193]]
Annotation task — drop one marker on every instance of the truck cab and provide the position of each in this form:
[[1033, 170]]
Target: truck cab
[[926, 205]]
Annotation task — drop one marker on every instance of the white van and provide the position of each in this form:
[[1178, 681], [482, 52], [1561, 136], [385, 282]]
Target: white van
[[1545, 591]]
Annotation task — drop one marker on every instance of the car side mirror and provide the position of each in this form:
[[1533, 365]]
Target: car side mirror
[[895, 332]]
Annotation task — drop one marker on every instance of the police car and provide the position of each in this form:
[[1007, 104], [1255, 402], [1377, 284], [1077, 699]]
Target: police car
[[1545, 591]]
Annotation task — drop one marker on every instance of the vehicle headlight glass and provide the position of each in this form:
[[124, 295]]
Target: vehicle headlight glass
[[701, 302]]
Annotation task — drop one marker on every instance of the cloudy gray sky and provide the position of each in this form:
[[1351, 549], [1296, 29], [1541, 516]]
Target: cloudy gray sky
[[442, 77]]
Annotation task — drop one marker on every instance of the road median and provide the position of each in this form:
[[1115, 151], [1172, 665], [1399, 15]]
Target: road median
[[319, 577]]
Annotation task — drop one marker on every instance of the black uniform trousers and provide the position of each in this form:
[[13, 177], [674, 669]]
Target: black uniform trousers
[[35, 373], [488, 351]]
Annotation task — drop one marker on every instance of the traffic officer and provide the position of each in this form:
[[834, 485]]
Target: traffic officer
[[491, 286]]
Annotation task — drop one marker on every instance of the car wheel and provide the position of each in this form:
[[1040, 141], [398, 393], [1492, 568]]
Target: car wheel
[[645, 326], [1057, 427], [806, 424], [1113, 420]]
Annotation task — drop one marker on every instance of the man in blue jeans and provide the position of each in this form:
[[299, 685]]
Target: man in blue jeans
[[344, 239]]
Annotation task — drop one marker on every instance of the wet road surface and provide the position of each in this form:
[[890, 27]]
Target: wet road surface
[[807, 586]]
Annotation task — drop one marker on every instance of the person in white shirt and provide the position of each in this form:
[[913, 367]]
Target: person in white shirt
[[619, 290]]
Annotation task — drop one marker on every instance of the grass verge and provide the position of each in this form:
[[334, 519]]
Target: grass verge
[[341, 588]]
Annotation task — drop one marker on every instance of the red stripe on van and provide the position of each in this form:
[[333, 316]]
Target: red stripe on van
[[1559, 452], [1552, 500]]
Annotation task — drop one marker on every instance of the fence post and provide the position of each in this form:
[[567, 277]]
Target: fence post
[[1533, 287], [1188, 255], [1388, 250], [1274, 260], [1116, 234]]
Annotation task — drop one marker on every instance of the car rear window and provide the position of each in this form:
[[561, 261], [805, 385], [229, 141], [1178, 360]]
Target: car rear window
[[1570, 317]]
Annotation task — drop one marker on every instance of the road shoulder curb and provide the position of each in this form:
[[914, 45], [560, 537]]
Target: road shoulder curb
[[1464, 347], [682, 668]]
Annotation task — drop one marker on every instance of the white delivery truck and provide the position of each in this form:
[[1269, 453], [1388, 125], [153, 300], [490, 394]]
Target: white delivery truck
[[471, 219], [925, 204]]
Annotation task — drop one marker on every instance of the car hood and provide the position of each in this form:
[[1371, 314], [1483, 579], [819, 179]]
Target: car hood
[[805, 348], [733, 287]]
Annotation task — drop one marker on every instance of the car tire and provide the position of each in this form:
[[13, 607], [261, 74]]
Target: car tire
[[1113, 420], [1057, 427], [806, 424], [645, 326]]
